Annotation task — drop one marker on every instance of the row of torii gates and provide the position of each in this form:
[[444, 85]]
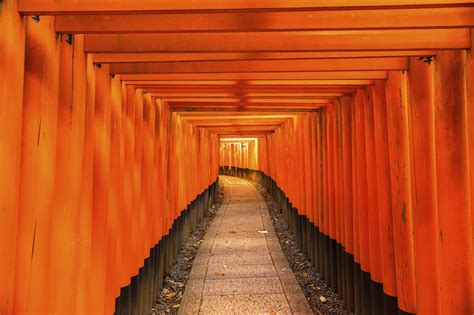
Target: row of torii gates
[[116, 115]]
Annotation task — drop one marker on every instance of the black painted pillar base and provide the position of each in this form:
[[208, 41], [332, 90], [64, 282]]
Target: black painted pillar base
[[140, 295], [338, 268]]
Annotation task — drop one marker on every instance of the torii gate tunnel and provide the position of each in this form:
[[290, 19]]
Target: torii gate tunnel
[[116, 118]]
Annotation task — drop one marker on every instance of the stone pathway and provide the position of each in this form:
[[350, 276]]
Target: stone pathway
[[240, 267]]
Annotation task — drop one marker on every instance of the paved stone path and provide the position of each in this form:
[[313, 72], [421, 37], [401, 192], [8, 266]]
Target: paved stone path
[[239, 270]]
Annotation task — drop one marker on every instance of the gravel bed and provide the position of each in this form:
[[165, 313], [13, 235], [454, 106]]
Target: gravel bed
[[321, 298], [174, 284]]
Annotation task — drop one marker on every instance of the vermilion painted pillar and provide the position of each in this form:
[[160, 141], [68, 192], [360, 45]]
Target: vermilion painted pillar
[[453, 194], [83, 304], [314, 167], [348, 200], [64, 225], [114, 263], [376, 272], [339, 175], [309, 167], [38, 166], [384, 189], [331, 170], [470, 127], [128, 99], [324, 228], [355, 171], [12, 53], [400, 173], [347, 173], [318, 173], [362, 193], [137, 216], [101, 180], [423, 179]]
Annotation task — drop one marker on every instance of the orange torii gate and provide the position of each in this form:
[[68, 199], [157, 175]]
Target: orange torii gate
[[113, 116]]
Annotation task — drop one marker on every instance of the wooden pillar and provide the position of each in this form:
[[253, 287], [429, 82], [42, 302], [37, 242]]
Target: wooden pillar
[[384, 189], [400, 173], [452, 170], [101, 181], [12, 62], [423, 179], [38, 160]]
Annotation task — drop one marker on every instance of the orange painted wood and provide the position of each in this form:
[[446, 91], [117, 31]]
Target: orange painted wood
[[245, 106], [177, 101], [233, 56], [128, 97], [420, 39], [95, 164], [470, 127], [400, 174], [384, 189], [104, 6], [320, 75], [137, 173], [37, 177], [314, 167], [361, 180], [332, 171], [250, 89], [308, 173], [355, 171], [424, 186], [12, 51], [100, 197], [318, 172], [86, 201], [269, 21], [376, 272], [115, 255], [451, 134], [289, 65], [64, 228], [347, 112], [340, 191]]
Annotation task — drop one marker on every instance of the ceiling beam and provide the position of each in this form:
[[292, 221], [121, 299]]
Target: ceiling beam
[[254, 101], [224, 115], [242, 109], [230, 136], [241, 104], [241, 128], [70, 7], [293, 83], [242, 140], [249, 95], [199, 118], [420, 39], [241, 89], [322, 75], [228, 56], [255, 122], [445, 17], [349, 64], [247, 134]]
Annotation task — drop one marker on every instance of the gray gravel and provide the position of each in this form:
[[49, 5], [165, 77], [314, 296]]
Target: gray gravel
[[309, 280], [314, 288], [174, 283]]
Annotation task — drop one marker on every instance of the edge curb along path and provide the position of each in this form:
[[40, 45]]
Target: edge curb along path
[[240, 267]]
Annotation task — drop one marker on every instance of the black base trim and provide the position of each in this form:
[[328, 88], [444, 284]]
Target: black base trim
[[360, 293], [140, 295]]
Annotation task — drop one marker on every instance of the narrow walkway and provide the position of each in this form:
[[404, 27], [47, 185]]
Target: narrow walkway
[[240, 267]]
